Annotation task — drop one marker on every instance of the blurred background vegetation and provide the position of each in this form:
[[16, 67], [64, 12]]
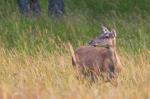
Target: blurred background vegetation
[[81, 23]]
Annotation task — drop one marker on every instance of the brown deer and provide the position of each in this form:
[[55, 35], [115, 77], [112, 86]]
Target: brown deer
[[98, 57]]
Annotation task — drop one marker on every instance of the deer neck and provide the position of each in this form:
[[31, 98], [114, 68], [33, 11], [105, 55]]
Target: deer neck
[[113, 52], [113, 47]]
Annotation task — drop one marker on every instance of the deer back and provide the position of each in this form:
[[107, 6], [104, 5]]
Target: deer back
[[92, 57]]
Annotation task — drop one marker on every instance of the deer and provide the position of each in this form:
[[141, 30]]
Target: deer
[[99, 57]]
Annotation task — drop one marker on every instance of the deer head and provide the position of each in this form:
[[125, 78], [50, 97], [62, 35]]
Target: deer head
[[106, 39]]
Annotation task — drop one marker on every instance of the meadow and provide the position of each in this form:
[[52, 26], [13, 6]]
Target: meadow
[[35, 62]]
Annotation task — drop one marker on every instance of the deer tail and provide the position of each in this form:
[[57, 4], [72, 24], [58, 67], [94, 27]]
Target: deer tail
[[72, 53]]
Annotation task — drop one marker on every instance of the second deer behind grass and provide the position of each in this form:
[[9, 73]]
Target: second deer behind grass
[[98, 58]]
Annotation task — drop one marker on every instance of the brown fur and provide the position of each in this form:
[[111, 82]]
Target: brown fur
[[95, 59], [99, 57]]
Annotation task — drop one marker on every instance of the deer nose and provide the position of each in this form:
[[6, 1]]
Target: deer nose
[[92, 42]]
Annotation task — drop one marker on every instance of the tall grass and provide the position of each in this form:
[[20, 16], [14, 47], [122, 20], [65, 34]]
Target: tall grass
[[133, 33], [47, 76], [30, 33], [34, 59]]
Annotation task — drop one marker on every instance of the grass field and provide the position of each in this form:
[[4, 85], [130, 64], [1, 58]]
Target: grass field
[[35, 62]]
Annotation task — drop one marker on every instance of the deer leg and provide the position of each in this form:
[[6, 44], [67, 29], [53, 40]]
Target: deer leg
[[109, 74], [107, 70]]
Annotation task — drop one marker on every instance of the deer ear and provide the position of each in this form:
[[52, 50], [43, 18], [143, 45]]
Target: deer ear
[[113, 31], [104, 29]]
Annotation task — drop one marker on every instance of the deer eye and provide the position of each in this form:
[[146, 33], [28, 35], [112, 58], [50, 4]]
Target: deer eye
[[107, 37]]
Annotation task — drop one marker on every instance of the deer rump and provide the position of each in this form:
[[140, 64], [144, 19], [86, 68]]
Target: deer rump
[[96, 60]]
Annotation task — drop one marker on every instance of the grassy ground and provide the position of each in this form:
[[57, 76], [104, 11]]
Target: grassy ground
[[35, 62], [47, 76]]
